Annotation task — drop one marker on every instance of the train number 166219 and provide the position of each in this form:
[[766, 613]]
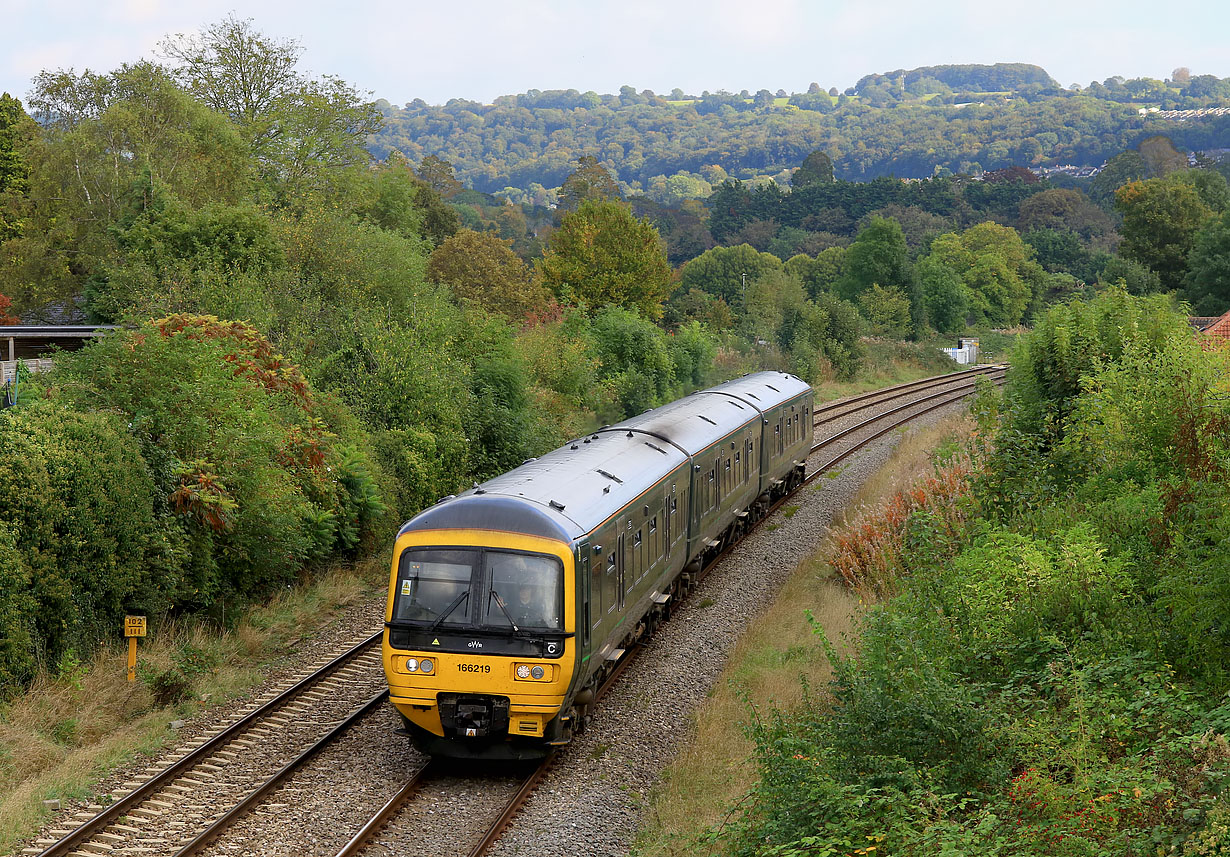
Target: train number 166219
[[474, 668]]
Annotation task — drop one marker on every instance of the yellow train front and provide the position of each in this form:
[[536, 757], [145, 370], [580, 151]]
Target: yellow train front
[[478, 627], [511, 603]]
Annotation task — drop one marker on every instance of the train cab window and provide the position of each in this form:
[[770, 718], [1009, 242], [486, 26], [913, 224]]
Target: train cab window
[[434, 585], [523, 590]]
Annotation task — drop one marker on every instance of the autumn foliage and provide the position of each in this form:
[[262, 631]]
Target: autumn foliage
[[872, 552]]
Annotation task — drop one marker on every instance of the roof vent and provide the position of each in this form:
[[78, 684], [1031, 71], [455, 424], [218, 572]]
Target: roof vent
[[610, 476], [528, 460], [574, 446], [753, 396], [556, 504], [629, 432], [449, 497], [655, 447], [587, 440], [480, 491], [706, 419], [774, 389]]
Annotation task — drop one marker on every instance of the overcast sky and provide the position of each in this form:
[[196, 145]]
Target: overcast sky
[[478, 49]]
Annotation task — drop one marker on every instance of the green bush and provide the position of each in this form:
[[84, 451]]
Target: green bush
[[82, 546]]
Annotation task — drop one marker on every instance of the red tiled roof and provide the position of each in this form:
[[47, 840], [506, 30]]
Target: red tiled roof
[[1218, 333]]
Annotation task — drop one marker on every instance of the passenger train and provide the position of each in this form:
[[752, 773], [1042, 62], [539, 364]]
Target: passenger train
[[509, 604]]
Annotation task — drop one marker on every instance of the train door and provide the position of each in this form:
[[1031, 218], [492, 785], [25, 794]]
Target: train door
[[621, 568], [610, 578], [668, 518], [591, 608]]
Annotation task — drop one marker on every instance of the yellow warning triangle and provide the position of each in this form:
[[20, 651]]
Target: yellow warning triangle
[[436, 641]]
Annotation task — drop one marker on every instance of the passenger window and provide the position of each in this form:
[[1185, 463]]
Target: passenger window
[[636, 540], [653, 524]]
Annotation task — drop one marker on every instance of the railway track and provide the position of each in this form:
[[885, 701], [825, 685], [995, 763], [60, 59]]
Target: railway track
[[381, 828], [210, 774], [137, 822], [833, 411]]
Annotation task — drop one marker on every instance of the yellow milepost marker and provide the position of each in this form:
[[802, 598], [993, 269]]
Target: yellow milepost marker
[[134, 626]]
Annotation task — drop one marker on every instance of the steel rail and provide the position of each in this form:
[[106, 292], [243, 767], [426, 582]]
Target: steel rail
[[847, 453], [970, 388], [900, 389], [359, 841], [209, 834], [121, 807]]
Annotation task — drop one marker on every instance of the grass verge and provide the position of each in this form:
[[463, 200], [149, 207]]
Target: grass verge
[[65, 734], [776, 654]]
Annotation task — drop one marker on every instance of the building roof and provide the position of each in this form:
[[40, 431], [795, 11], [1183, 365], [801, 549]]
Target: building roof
[[1217, 334]]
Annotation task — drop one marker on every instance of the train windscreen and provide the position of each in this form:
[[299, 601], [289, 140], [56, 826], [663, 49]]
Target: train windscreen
[[434, 586], [439, 587], [523, 590]]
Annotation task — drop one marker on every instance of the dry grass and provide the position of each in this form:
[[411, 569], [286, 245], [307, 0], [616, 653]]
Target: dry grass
[[69, 731], [714, 771]]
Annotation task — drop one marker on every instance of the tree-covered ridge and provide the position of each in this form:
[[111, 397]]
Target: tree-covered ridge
[[906, 124], [1000, 77]]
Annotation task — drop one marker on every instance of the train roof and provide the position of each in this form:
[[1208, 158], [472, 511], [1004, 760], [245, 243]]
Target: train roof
[[572, 490]]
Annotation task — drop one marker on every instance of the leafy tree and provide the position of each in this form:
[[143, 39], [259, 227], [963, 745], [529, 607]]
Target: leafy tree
[[1160, 220], [438, 173], [634, 362], [820, 274], [878, 256], [298, 128], [1160, 157], [1207, 284], [602, 254], [15, 128], [5, 318], [995, 265], [1062, 209], [1060, 250], [1122, 168], [479, 267], [725, 272], [589, 180], [162, 243], [888, 310], [79, 187], [817, 168], [944, 295], [1132, 277]]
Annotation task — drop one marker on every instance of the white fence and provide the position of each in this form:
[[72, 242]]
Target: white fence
[[964, 355], [8, 368]]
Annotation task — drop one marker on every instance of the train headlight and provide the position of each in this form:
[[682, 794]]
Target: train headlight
[[412, 665], [532, 672], [426, 666]]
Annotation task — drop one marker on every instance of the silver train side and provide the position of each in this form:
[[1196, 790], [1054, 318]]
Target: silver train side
[[626, 517]]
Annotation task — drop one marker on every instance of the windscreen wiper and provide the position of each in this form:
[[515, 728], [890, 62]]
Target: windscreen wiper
[[465, 593], [500, 602]]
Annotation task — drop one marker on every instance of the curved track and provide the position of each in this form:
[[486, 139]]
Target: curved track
[[121, 827]]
